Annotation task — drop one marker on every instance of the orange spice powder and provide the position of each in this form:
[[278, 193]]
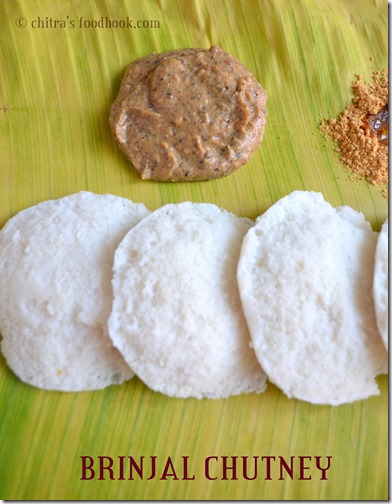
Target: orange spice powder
[[361, 131]]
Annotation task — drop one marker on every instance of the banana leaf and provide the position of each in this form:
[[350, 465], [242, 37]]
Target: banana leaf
[[61, 66]]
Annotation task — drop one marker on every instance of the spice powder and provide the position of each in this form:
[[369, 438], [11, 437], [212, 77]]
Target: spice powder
[[361, 131]]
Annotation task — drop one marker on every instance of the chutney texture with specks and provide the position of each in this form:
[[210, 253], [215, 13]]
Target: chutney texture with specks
[[190, 114]]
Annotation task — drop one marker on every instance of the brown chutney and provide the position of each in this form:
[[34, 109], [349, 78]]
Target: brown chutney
[[188, 114]]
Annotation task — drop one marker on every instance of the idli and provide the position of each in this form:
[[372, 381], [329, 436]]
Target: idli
[[56, 263], [380, 283], [305, 280], [177, 317]]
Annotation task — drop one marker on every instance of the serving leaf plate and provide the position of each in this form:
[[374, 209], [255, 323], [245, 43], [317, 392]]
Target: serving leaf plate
[[61, 65]]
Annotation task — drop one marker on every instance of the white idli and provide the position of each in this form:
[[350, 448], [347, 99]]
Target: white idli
[[176, 316], [380, 283], [55, 290], [305, 280]]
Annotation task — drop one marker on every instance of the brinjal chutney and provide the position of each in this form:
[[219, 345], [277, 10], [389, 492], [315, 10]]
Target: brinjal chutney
[[189, 114]]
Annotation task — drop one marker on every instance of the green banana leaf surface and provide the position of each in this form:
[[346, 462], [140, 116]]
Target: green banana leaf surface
[[61, 66]]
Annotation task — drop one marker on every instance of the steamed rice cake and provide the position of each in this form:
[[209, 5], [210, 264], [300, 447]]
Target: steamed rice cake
[[55, 290], [177, 317], [305, 281]]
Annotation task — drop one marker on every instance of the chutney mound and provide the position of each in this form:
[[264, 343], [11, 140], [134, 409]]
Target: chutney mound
[[190, 114]]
